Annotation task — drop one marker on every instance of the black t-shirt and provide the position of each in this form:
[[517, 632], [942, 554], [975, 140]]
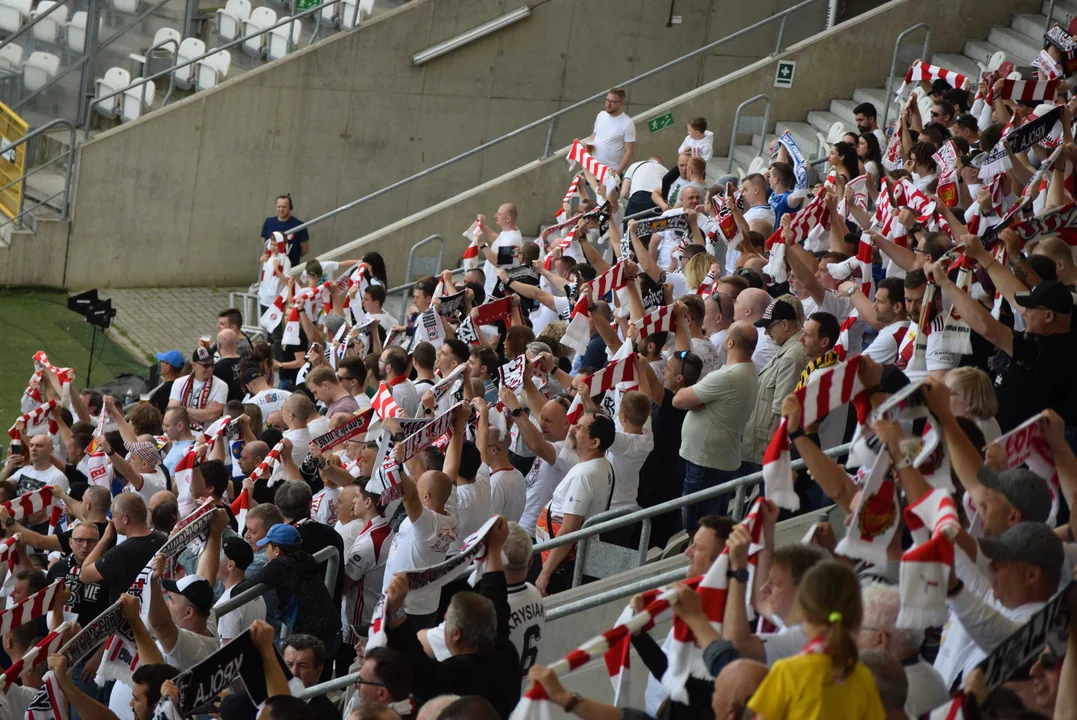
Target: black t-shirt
[[88, 600], [317, 536], [121, 565], [323, 708], [1038, 376], [287, 354], [227, 369], [159, 398]]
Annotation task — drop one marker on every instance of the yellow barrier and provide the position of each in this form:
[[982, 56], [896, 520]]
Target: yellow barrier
[[12, 161]]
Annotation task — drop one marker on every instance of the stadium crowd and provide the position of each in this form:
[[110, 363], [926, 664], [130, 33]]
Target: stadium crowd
[[347, 494]]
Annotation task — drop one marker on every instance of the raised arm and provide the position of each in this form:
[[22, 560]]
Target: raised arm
[[532, 435], [798, 259], [975, 314], [164, 627], [646, 261], [735, 623], [831, 477]]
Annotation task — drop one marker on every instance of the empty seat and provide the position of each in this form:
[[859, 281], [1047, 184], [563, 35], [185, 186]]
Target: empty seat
[[164, 40], [231, 17], [13, 14], [38, 69], [48, 29], [115, 79], [349, 14], [137, 100], [211, 71], [190, 48], [129, 7], [11, 56], [260, 19], [330, 14], [279, 44], [75, 30]]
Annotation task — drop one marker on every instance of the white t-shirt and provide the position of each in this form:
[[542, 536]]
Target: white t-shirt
[[935, 358], [419, 545], [507, 238], [268, 401], [323, 506], [765, 349], [473, 508], [348, 531], [51, 475], [585, 491], [884, 349], [627, 455], [218, 392], [711, 357], [926, 689], [508, 493], [527, 617], [270, 283], [407, 397], [192, 648], [703, 147], [646, 176], [541, 481], [611, 134], [759, 212], [300, 438], [151, 483], [234, 623], [365, 567]]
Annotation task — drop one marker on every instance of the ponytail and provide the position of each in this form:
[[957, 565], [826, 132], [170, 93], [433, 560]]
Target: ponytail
[[841, 646]]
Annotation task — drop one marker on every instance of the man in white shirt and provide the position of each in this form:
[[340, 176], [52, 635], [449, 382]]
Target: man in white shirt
[[508, 489], [690, 312], [586, 490], [297, 409], [614, 136], [759, 214], [41, 470], [630, 448], [394, 368], [364, 565], [887, 315], [200, 392], [373, 299], [424, 537], [268, 399], [236, 557], [508, 238], [643, 177]]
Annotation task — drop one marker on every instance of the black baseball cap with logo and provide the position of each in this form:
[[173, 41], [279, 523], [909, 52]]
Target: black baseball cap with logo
[[777, 310], [202, 356]]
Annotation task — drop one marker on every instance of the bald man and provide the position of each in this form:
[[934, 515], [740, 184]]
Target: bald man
[[749, 307], [734, 686], [348, 521], [227, 367], [431, 710], [296, 413], [119, 567], [501, 245], [1062, 254]]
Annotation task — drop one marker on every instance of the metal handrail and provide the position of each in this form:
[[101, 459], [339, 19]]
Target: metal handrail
[[893, 62], [552, 118], [736, 126], [30, 24], [669, 506], [67, 172], [86, 55], [208, 53], [329, 554], [1050, 16], [172, 78]]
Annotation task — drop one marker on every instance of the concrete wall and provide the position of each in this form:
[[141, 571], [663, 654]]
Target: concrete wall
[[178, 197], [36, 258], [856, 53]]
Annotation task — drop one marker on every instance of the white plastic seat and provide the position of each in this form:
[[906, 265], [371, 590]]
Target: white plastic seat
[[189, 49], [231, 17], [115, 79], [330, 14], [75, 32], [167, 33], [38, 69], [349, 14], [366, 9], [160, 43], [11, 56], [260, 19], [211, 71], [279, 45], [757, 165], [13, 13], [136, 101], [48, 29], [837, 130], [130, 7]]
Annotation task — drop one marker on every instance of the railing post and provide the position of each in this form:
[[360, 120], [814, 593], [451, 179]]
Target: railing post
[[781, 35], [66, 206], [581, 557], [738, 503], [549, 139], [644, 542], [188, 20], [93, 23]]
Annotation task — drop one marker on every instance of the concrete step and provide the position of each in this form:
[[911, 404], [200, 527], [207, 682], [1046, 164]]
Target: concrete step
[[1063, 11], [875, 96], [1032, 25], [981, 51], [744, 154], [717, 167], [804, 135], [823, 120], [1015, 44], [843, 110], [958, 63]]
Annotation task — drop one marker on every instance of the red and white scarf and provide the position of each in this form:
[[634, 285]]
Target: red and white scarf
[[660, 320], [1027, 445], [612, 279], [37, 416], [29, 503], [926, 567], [275, 313], [956, 334], [384, 404], [578, 332], [471, 252], [578, 154], [875, 518], [946, 162], [30, 608], [920, 71], [1026, 91], [825, 391], [616, 372]]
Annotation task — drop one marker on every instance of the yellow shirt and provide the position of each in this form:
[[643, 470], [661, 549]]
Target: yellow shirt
[[804, 688]]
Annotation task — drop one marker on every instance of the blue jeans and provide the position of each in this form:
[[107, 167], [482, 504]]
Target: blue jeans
[[696, 478]]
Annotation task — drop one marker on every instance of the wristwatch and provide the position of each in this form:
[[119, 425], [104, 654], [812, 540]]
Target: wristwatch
[[517, 412], [738, 575], [794, 434], [573, 702]]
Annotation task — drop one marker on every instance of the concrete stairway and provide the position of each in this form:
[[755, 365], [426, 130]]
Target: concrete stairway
[[1020, 43]]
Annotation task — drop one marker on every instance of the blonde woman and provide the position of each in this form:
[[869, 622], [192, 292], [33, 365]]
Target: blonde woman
[[696, 269], [973, 396]]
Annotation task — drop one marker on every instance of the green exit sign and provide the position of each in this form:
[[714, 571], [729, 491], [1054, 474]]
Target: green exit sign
[[661, 122], [307, 4]]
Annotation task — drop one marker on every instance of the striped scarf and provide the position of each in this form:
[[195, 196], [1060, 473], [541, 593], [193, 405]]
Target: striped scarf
[[825, 360]]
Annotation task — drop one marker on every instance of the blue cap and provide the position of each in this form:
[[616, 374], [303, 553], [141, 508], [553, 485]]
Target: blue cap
[[281, 534], [172, 357]]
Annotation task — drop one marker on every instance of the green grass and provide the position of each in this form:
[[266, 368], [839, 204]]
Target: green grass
[[32, 320]]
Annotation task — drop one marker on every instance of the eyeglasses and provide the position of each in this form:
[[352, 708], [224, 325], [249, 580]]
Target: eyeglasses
[[935, 114], [616, 101], [343, 378], [84, 541]]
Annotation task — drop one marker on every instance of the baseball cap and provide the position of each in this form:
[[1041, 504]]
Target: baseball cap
[[1028, 542], [202, 356], [1024, 489], [333, 323], [238, 551], [777, 310], [193, 587], [281, 534], [172, 357], [146, 450], [1050, 295], [249, 375]]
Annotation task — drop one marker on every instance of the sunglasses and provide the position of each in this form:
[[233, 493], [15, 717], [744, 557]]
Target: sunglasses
[[935, 114]]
